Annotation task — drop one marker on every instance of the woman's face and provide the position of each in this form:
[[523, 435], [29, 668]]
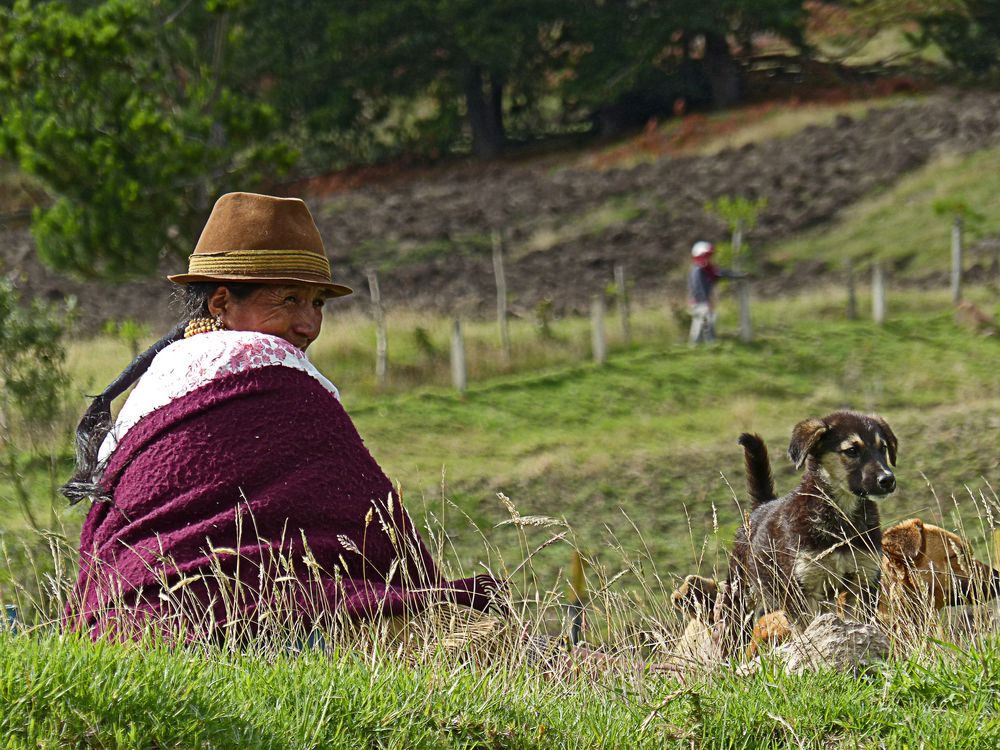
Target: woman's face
[[292, 311]]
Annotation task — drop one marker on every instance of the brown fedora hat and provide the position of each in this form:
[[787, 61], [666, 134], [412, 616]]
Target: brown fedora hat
[[260, 239]]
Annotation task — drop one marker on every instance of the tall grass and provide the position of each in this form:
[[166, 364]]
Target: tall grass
[[452, 680], [82, 695], [648, 439], [633, 465]]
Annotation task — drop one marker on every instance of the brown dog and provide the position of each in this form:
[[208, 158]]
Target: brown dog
[[924, 569], [818, 544]]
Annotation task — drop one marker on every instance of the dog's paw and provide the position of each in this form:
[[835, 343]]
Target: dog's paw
[[768, 631]]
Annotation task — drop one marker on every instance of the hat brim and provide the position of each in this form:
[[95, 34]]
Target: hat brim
[[336, 290]]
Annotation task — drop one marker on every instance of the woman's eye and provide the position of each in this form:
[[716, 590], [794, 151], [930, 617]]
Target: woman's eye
[[319, 302], [291, 299]]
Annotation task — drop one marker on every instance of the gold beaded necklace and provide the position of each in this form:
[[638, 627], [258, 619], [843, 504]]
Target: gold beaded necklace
[[203, 325]]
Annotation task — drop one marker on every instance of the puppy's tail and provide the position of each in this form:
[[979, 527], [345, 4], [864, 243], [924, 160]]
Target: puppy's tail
[[760, 483]]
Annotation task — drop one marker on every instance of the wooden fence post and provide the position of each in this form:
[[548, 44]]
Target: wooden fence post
[[598, 341], [623, 306], [577, 597], [459, 376], [852, 294], [746, 326], [381, 338], [878, 294], [956, 260], [742, 285], [501, 280]]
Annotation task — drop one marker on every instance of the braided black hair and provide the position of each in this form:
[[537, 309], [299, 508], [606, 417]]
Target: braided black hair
[[96, 422]]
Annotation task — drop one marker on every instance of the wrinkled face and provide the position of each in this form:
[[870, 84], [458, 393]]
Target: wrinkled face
[[853, 452], [293, 312]]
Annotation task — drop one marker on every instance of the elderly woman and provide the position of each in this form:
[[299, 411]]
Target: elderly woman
[[233, 488]]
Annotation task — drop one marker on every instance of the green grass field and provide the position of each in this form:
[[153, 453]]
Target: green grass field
[[900, 225], [634, 463], [59, 692], [639, 457], [650, 439]]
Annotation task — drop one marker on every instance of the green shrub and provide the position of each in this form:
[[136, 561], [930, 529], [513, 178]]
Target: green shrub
[[34, 384]]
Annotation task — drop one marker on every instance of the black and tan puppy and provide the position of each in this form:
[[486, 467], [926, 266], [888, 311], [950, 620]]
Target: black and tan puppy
[[819, 544]]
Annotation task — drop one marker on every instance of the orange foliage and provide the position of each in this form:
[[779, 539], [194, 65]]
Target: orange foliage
[[695, 130]]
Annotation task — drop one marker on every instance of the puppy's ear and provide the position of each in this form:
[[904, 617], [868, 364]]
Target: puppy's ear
[[889, 435], [905, 541], [804, 438], [696, 596]]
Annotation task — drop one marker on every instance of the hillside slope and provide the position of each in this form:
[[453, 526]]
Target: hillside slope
[[568, 225]]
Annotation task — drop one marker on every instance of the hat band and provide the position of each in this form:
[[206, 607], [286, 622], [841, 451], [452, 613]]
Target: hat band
[[260, 262]]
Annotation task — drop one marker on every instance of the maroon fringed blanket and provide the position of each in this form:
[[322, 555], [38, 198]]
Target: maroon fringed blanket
[[256, 477]]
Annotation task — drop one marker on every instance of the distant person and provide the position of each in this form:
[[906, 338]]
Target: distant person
[[702, 279]]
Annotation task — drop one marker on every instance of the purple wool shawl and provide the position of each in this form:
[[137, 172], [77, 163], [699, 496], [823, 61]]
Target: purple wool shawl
[[259, 475]]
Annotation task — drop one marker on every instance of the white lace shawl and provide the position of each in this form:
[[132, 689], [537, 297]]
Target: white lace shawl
[[188, 364]]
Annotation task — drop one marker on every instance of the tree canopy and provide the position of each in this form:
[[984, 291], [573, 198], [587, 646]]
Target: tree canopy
[[967, 31], [120, 116], [136, 114]]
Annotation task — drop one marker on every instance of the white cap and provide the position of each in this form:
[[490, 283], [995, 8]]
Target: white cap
[[701, 248]]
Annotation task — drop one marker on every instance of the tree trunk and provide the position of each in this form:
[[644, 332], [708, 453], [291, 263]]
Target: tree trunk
[[484, 105], [725, 77]]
